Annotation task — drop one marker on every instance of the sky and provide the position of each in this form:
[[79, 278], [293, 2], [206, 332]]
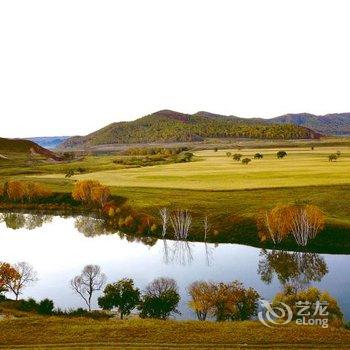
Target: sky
[[70, 67]]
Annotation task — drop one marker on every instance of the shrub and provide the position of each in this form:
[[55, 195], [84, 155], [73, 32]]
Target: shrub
[[332, 157], [237, 157], [29, 305], [246, 161], [281, 154], [258, 156]]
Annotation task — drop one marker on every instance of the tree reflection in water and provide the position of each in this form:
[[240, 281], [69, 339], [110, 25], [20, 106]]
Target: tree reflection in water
[[17, 221], [295, 269], [177, 252], [92, 227]]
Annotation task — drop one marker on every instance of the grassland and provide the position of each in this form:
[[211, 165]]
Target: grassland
[[55, 332], [230, 193], [215, 171]]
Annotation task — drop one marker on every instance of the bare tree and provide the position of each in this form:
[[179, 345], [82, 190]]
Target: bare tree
[[206, 226], [181, 222], [25, 276], [164, 216], [89, 281]]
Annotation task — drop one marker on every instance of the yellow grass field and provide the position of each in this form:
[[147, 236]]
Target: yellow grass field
[[215, 171]]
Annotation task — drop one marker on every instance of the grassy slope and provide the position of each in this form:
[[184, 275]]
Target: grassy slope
[[40, 331], [215, 171]]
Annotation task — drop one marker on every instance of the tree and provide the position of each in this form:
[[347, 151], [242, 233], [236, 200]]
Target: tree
[[246, 161], [231, 301], [216, 149], [332, 157], [281, 154], [15, 190], [45, 307], [304, 222], [164, 217], [88, 282], [100, 195], [181, 222], [18, 277], [312, 296], [122, 295], [201, 302], [228, 154], [160, 299], [82, 190], [7, 275], [237, 157], [258, 156]]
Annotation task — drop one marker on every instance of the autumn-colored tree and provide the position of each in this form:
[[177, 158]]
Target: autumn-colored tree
[[231, 301], [2, 191], [20, 276], [201, 293], [304, 222], [34, 190], [82, 190], [313, 298], [15, 190], [8, 274], [100, 195]]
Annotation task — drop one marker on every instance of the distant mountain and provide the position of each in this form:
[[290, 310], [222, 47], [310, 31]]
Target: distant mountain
[[329, 124], [49, 142], [170, 126], [10, 146]]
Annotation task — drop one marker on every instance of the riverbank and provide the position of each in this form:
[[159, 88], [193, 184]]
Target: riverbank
[[56, 332]]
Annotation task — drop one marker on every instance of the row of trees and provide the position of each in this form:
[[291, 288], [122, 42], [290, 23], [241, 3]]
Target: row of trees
[[218, 300], [223, 301], [302, 221], [23, 191]]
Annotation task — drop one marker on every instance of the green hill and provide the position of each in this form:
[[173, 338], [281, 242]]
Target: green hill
[[170, 126], [8, 147]]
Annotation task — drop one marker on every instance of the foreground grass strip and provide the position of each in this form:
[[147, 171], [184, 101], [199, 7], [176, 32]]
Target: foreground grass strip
[[154, 333]]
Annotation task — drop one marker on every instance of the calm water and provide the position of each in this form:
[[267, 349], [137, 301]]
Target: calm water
[[59, 248]]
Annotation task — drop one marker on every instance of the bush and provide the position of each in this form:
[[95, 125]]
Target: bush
[[246, 161], [281, 154], [237, 157], [29, 305], [45, 307]]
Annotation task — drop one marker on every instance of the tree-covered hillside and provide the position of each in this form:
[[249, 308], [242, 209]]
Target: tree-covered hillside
[[169, 126]]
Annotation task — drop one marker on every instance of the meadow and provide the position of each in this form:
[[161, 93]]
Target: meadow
[[216, 171], [55, 332]]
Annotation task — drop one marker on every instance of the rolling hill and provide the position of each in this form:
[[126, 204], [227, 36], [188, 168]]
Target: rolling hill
[[19, 146], [329, 124], [170, 126], [49, 142]]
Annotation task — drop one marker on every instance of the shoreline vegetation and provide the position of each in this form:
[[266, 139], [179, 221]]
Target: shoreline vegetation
[[334, 238]]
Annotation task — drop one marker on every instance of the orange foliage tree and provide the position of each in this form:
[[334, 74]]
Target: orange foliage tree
[[8, 274], [90, 191], [15, 190], [304, 222]]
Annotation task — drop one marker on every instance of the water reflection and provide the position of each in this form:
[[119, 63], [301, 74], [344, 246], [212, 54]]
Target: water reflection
[[93, 227], [17, 221], [295, 269]]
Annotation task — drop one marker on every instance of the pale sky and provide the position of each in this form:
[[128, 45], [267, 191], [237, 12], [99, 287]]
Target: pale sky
[[71, 67]]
